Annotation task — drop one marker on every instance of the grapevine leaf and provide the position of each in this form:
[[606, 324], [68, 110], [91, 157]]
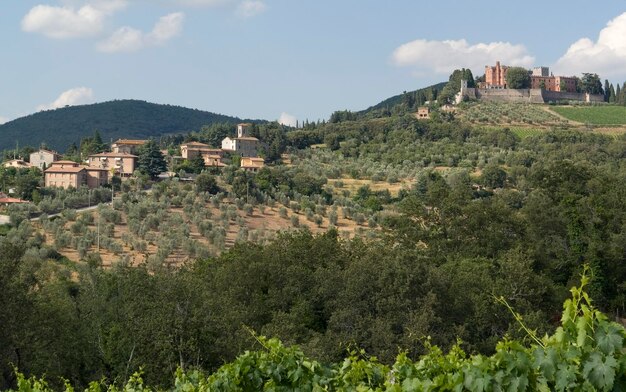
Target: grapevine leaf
[[609, 339], [600, 373], [546, 360], [581, 329], [565, 377]]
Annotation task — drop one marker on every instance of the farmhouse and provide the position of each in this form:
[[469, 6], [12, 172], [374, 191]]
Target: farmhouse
[[423, 113], [66, 174], [127, 146], [252, 164], [119, 163], [43, 158]]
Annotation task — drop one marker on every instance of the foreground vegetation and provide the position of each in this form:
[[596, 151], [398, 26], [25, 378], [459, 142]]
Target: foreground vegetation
[[584, 353]]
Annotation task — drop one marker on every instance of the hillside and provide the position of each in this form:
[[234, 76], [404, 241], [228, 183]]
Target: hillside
[[131, 119], [397, 99]]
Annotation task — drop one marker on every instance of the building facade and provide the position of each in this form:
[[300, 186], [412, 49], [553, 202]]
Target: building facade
[[423, 113], [65, 174], [43, 158], [127, 146], [554, 83], [495, 77], [121, 164], [252, 164]]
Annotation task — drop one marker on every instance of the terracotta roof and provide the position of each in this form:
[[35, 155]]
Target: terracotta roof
[[11, 200], [245, 124], [65, 162], [71, 169], [91, 168], [130, 141], [194, 144], [250, 138], [113, 155]]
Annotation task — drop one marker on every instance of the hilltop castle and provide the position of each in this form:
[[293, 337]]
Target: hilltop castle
[[540, 78], [544, 88]]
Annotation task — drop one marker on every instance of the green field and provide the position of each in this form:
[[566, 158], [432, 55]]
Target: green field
[[599, 115]]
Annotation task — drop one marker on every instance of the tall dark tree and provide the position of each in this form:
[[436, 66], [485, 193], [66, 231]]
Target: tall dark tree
[[607, 88], [517, 77], [590, 83], [612, 94], [151, 160], [196, 164], [454, 84]]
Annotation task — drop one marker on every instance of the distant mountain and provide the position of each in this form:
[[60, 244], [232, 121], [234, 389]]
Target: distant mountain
[[398, 99], [131, 119]]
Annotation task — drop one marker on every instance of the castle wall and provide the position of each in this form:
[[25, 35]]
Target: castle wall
[[529, 95], [555, 96], [510, 95]]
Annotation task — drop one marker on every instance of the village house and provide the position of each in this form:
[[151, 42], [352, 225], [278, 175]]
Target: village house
[[423, 113], [121, 164], [127, 146], [66, 174], [212, 156], [252, 164], [16, 163], [243, 145], [191, 150], [43, 158]]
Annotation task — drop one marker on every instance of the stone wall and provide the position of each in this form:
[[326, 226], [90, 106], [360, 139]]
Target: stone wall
[[510, 95], [528, 95], [554, 96]]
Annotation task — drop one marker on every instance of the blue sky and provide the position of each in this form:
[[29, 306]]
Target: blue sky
[[285, 59]]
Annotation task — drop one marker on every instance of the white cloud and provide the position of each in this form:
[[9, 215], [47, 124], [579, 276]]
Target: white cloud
[[287, 119], [3, 120], [127, 39], [443, 57], [167, 27], [75, 96], [69, 21], [606, 56], [250, 8]]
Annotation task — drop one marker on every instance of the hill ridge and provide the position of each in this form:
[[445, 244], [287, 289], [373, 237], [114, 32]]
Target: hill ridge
[[120, 118]]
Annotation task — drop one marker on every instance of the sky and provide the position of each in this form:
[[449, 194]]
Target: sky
[[286, 60]]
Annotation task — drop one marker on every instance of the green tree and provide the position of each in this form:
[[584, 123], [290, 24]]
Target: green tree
[[591, 83], [151, 160], [454, 84], [493, 176], [612, 94], [206, 183], [196, 164], [517, 78]]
